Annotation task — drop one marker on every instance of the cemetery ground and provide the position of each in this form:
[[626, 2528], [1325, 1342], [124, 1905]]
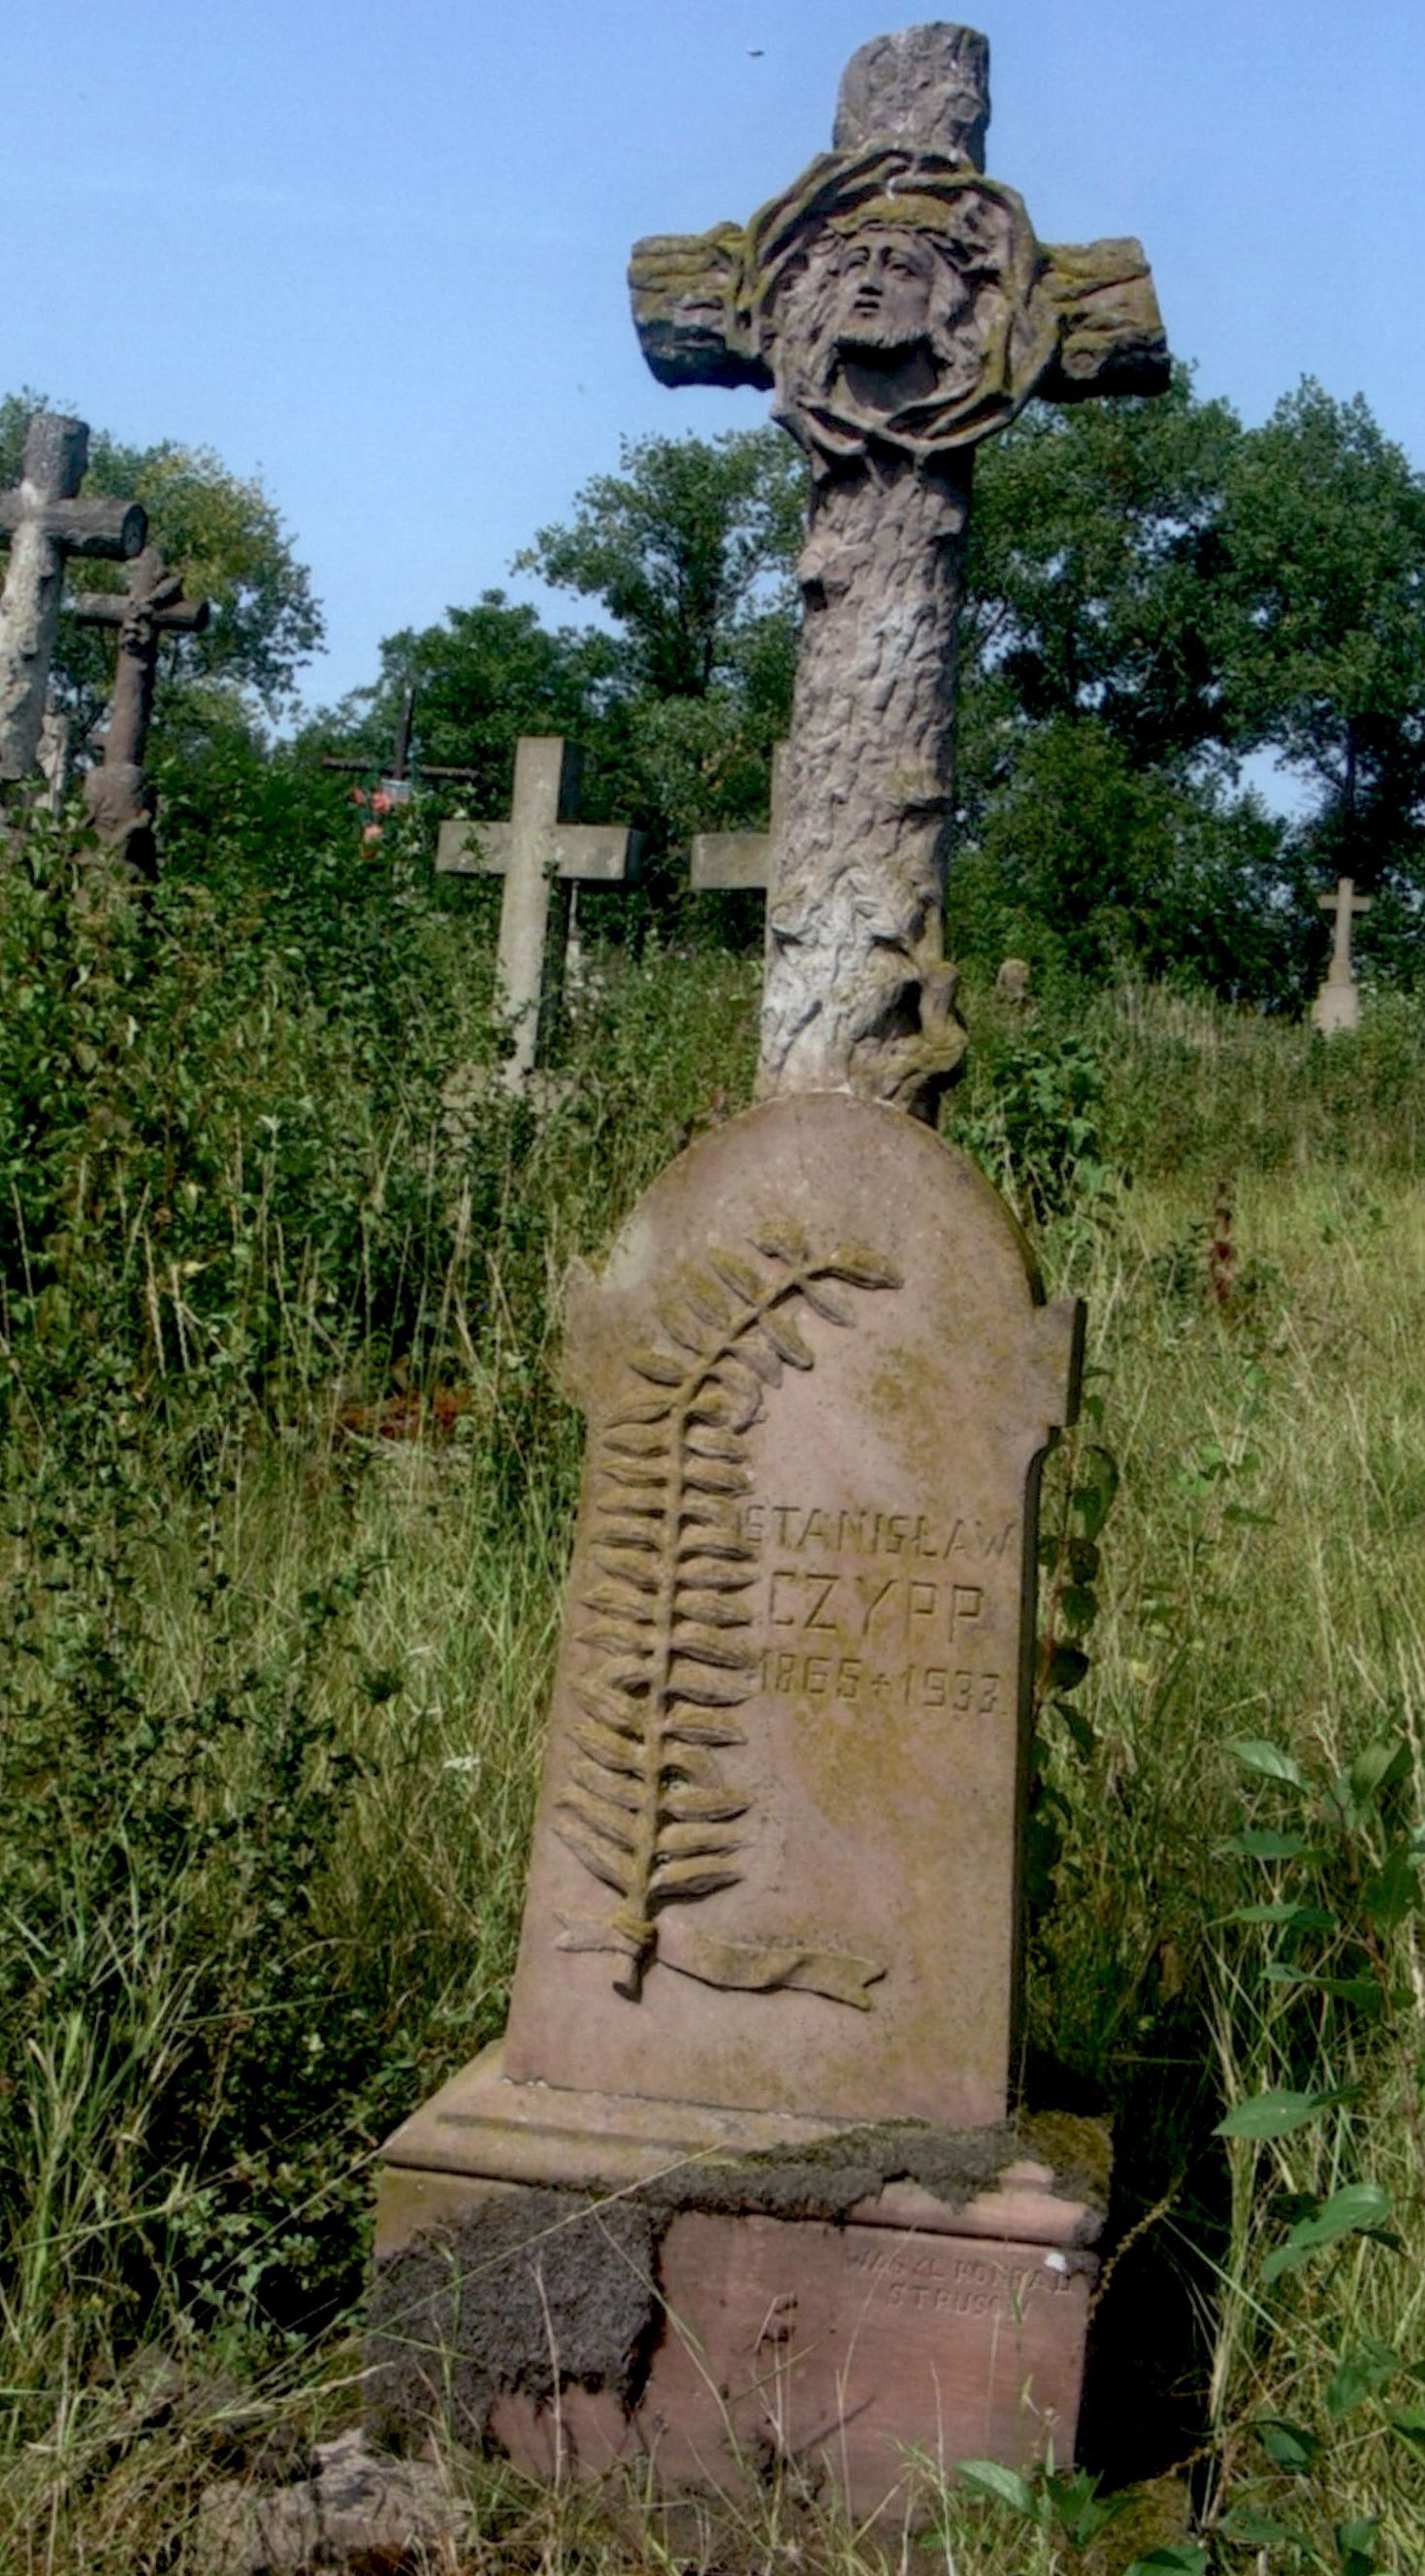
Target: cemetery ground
[[287, 1492]]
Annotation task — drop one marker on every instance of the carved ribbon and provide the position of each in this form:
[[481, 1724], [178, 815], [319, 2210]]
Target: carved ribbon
[[774, 1966]]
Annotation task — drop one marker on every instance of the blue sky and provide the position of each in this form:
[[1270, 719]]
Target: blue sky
[[376, 252]]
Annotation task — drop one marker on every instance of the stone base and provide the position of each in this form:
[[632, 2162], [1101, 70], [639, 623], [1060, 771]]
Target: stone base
[[1337, 1007], [702, 2321]]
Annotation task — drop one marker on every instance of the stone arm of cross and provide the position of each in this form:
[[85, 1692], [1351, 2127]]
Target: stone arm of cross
[[1101, 327]]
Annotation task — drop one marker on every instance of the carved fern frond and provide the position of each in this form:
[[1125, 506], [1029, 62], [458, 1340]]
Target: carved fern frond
[[645, 1804]]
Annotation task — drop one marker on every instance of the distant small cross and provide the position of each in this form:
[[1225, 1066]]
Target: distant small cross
[[735, 860], [44, 523], [1345, 903], [1337, 1005], [541, 853], [396, 784]]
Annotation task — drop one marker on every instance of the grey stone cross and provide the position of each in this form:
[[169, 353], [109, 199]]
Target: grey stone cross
[[117, 794], [1338, 1004], [900, 308], [737, 861], [44, 523], [542, 854]]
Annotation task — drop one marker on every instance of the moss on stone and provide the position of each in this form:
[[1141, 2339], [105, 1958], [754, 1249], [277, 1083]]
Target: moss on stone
[[825, 2181]]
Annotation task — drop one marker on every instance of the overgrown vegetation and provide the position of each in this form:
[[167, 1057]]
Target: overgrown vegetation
[[287, 1490]]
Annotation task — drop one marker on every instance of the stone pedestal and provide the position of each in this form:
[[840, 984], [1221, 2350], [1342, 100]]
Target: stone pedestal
[[595, 2282], [1337, 1006]]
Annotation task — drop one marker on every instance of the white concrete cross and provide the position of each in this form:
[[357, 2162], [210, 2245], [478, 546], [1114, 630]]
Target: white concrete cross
[[541, 854], [735, 860], [1338, 1004]]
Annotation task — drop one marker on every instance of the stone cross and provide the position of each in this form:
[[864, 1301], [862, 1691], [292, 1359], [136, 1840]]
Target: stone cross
[[541, 853], [44, 523], [118, 796], [900, 308], [1338, 1004], [742, 2178], [738, 861]]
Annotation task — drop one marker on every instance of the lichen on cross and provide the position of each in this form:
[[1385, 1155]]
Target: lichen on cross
[[901, 309]]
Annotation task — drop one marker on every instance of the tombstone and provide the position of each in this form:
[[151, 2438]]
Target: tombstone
[[1015, 982], [541, 853], [742, 2184], [1338, 1004], [44, 524], [741, 862], [118, 796]]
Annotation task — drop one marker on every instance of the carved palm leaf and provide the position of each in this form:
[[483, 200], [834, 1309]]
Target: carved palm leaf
[[645, 1803]]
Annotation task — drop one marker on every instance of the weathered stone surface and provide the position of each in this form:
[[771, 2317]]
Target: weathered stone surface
[[901, 309], [740, 2341], [119, 797], [359, 2512], [44, 523], [541, 853], [1015, 981], [1337, 1006], [741, 861], [776, 1860], [929, 83]]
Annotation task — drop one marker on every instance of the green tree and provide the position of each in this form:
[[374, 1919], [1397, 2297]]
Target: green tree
[[1323, 530], [689, 550], [226, 537], [1094, 582], [482, 676]]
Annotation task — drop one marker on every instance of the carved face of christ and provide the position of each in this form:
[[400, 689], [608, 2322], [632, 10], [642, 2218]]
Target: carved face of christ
[[883, 293]]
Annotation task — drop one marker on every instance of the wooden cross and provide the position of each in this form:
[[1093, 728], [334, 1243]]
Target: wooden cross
[[900, 309], [396, 784], [44, 523], [397, 781], [542, 854], [1338, 1004], [117, 794], [738, 860]]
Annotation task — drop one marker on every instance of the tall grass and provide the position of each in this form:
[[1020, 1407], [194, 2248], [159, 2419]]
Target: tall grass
[[288, 1489]]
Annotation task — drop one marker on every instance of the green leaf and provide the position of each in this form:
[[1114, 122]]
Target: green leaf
[[1359, 2207], [1359, 2375], [1290, 2446], [1255, 1754], [1270, 1842], [1180, 2558], [1095, 1486], [1067, 1667], [1409, 2423], [1379, 1767], [1256, 2530], [1301, 1918], [1273, 2115], [1364, 1992], [1356, 2547], [1007, 2487], [1394, 1892]]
